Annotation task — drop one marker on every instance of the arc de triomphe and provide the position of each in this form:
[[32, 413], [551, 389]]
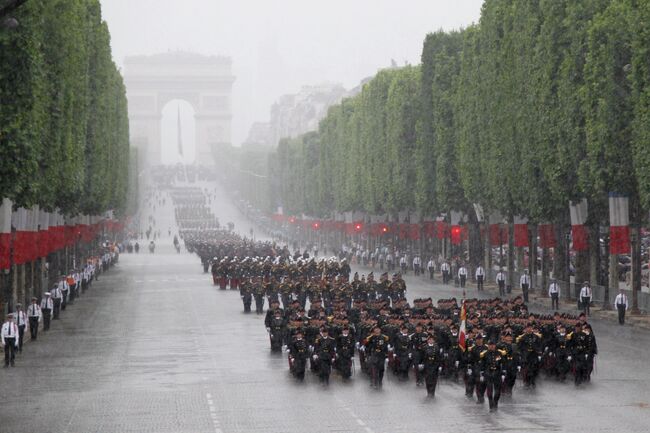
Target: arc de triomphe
[[205, 82]]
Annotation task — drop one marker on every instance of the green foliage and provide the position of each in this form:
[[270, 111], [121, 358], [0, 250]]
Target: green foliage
[[64, 139], [540, 103]]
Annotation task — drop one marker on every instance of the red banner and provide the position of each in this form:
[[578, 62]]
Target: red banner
[[619, 239], [456, 235], [414, 232], [5, 250], [547, 236], [495, 235], [580, 237], [21, 245], [521, 235], [429, 229], [442, 230]]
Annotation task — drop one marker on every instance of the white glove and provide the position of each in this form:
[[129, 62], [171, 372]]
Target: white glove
[[586, 356], [439, 369], [519, 368], [390, 348], [539, 358], [482, 379], [362, 348], [357, 345], [456, 364], [315, 357], [410, 356], [420, 367], [268, 329], [287, 350], [568, 358], [469, 371], [503, 378]]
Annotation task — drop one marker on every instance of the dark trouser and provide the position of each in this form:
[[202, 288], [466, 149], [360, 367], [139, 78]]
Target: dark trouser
[[586, 304], [431, 270], [621, 314], [463, 279], [524, 290], [84, 286], [479, 282], [555, 301], [57, 308], [33, 327], [416, 269], [324, 370], [259, 304], [10, 350], [502, 288], [376, 370], [21, 334], [493, 388], [64, 300], [247, 303], [431, 379], [445, 277], [47, 315], [73, 293]]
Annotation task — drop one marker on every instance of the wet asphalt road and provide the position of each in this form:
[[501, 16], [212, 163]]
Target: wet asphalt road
[[154, 347]]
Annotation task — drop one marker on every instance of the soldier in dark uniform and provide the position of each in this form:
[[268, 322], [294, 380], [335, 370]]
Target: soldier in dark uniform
[[431, 365], [324, 353], [344, 352], [472, 372], [258, 294], [419, 340], [530, 350], [277, 328], [403, 353], [493, 373], [245, 291], [376, 348], [298, 354]]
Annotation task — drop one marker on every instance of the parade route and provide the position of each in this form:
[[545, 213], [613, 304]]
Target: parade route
[[154, 347]]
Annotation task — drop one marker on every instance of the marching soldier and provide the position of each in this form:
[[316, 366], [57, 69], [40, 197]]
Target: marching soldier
[[324, 353], [621, 305], [377, 348], [431, 365], [493, 373], [298, 354]]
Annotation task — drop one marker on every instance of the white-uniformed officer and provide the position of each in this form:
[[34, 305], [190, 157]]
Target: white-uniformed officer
[[10, 340]]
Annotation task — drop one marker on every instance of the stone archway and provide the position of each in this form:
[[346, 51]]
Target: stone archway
[[205, 82]]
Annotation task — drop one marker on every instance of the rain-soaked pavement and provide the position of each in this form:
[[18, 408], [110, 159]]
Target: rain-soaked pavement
[[154, 347]]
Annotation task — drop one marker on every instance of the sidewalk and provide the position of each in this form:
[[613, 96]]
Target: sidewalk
[[542, 304]]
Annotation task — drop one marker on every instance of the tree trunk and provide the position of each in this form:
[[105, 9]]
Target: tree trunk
[[488, 252], [635, 238], [561, 259], [532, 257], [545, 270], [511, 253]]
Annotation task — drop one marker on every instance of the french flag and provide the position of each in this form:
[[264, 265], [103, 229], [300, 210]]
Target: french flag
[[579, 213], [619, 224], [463, 328]]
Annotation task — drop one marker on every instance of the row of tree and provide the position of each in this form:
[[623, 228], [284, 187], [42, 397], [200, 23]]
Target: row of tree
[[541, 103], [64, 138]]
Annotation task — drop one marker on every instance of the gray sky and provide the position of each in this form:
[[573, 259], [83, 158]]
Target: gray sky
[[279, 45]]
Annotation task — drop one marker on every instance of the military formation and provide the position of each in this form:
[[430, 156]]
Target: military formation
[[325, 320], [329, 319]]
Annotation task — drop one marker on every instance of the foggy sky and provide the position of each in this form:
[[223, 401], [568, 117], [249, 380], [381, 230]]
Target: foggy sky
[[279, 45]]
